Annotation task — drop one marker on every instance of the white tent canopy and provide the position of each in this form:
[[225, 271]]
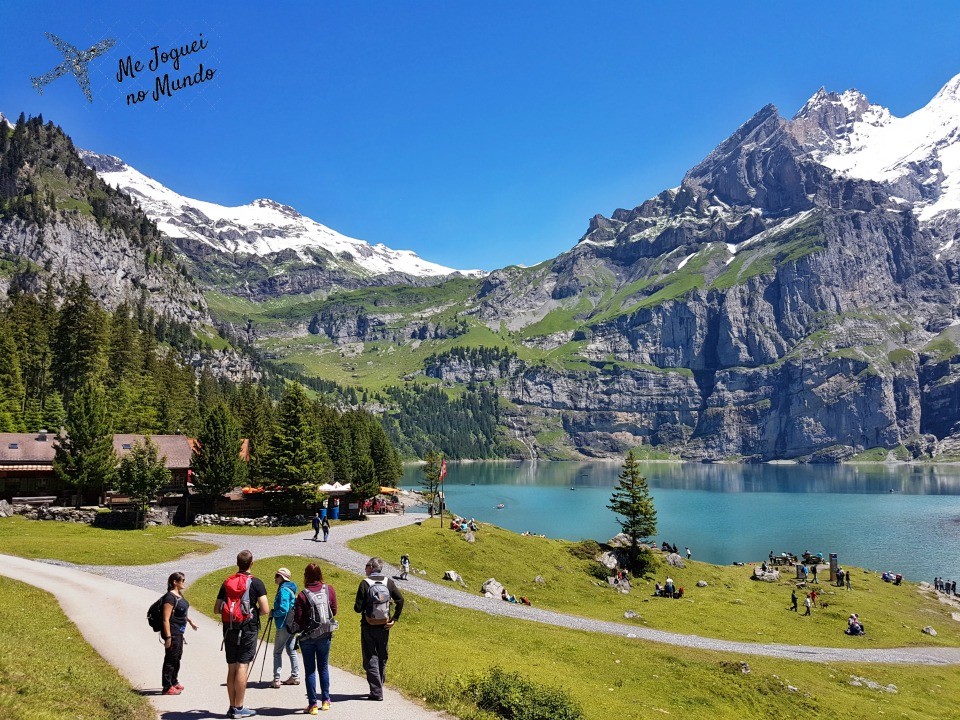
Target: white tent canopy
[[334, 489]]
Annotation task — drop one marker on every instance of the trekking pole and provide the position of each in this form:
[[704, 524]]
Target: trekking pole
[[254, 661], [265, 653]]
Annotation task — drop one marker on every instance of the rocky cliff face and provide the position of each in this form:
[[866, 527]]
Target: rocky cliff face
[[74, 245], [784, 301]]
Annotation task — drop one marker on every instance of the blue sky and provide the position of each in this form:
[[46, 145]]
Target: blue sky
[[476, 134]]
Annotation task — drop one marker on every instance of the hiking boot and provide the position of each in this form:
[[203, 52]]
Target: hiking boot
[[172, 691], [311, 709], [243, 712], [276, 683], [325, 705], [292, 680]]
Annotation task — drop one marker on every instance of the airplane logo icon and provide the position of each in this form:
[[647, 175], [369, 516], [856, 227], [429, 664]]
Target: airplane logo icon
[[74, 62]]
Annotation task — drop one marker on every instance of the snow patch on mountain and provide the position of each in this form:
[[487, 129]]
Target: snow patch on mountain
[[262, 227], [882, 147]]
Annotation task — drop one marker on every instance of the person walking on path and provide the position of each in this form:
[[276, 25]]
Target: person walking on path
[[807, 603], [404, 567], [688, 553], [374, 596], [175, 621], [286, 641], [793, 600], [846, 579], [325, 524], [815, 568], [316, 525], [314, 612], [240, 603]]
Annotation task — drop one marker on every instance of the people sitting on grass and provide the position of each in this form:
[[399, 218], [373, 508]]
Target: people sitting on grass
[[855, 626], [507, 597], [668, 590]]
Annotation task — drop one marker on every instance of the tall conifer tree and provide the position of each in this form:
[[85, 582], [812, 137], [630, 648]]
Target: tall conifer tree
[[217, 465], [84, 454], [632, 503], [297, 454]]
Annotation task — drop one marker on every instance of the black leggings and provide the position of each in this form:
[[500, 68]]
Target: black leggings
[[171, 661]]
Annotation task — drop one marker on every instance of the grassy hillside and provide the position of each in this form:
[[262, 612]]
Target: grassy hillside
[[732, 606], [435, 648]]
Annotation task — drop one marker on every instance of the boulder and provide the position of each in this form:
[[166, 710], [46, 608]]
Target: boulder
[[770, 575], [930, 631], [469, 537], [620, 540], [674, 560], [488, 595], [608, 560], [5, 509], [629, 615], [452, 575], [493, 587], [622, 586], [539, 580], [701, 583]]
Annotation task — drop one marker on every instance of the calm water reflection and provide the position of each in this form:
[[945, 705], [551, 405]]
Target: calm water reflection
[[900, 518]]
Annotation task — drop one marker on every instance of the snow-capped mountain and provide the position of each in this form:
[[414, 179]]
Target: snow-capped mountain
[[918, 155], [261, 228]]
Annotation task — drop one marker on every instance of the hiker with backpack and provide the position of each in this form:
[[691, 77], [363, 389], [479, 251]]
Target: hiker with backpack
[[286, 641], [325, 526], [374, 596], [314, 618], [240, 603], [174, 610]]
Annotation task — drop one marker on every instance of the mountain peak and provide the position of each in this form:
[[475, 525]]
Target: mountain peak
[[262, 228], [950, 91], [269, 204]]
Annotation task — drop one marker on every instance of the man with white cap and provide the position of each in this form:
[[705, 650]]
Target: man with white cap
[[286, 641]]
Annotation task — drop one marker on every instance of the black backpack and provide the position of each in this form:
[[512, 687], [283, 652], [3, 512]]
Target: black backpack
[[155, 615]]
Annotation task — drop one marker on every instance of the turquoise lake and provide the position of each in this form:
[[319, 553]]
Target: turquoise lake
[[900, 518]]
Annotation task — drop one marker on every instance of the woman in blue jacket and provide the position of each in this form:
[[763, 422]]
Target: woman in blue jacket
[[286, 641]]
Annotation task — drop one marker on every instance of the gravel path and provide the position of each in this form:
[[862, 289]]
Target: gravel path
[[124, 640], [337, 553]]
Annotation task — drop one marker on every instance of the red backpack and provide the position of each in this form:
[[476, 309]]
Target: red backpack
[[236, 605]]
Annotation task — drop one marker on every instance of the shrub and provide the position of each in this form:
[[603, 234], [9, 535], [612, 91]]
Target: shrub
[[585, 549], [512, 697]]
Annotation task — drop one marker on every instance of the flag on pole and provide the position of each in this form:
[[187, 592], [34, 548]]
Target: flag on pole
[[443, 470]]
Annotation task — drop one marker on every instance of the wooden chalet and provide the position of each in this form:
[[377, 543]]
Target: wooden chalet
[[26, 462]]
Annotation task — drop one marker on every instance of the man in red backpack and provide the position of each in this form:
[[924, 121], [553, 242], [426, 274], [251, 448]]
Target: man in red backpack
[[240, 603]]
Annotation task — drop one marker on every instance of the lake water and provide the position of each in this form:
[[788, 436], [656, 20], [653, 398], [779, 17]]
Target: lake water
[[728, 513]]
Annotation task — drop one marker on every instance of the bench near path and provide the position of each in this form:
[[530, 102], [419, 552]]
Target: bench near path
[[111, 615], [337, 553]]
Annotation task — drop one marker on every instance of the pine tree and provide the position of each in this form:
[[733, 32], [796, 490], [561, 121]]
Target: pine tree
[[53, 413], [296, 454], [365, 484], [12, 393], [142, 474], [84, 454], [252, 408], [217, 465], [386, 460], [79, 340], [33, 417], [430, 482], [632, 502]]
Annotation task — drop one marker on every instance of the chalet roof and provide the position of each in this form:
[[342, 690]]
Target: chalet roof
[[176, 449], [17, 449]]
